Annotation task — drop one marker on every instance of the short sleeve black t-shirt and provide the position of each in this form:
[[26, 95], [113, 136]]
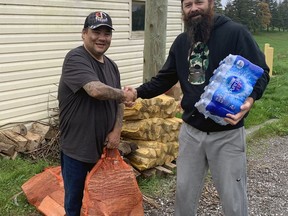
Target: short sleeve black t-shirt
[[85, 121]]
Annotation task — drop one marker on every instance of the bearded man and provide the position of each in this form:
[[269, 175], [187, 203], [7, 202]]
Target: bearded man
[[204, 144]]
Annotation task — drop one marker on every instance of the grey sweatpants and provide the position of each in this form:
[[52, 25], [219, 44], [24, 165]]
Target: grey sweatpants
[[224, 153]]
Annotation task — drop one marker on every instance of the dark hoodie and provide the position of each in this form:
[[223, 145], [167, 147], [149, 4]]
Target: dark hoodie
[[227, 37]]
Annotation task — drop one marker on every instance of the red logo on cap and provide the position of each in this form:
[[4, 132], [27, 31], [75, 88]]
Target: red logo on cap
[[101, 17]]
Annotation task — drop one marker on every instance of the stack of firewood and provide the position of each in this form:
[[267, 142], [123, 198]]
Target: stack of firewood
[[149, 135], [151, 124], [19, 139]]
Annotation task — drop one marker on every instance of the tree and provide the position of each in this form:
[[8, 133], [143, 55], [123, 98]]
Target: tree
[[218, 7], [243, 11], [253, 22], [273, 7], [264, 14], [283, 15], [284, 6], [259, 14], [230, 11]]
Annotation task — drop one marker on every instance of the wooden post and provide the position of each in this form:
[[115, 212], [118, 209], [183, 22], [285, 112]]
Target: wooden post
[[155, 37], [269, 53]]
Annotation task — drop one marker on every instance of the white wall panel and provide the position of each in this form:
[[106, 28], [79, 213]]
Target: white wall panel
[[36, 35]]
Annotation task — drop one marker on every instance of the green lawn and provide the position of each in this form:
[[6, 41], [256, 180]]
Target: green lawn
[[274, 104], [13, 173], [277, 40]]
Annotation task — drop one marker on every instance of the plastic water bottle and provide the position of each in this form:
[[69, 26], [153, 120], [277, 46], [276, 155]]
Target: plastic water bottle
[[232, 82]]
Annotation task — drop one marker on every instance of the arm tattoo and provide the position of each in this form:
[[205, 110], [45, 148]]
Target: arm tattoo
[[101, 91], [119, 117]]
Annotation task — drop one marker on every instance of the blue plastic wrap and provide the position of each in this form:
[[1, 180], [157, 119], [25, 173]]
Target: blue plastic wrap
[[232, 82]]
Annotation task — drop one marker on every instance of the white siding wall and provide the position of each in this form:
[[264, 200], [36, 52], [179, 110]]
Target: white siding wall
[[35, 35]]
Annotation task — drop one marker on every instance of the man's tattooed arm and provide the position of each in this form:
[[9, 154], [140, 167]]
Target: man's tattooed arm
[[100, 91], [119, 119], [113, 138]]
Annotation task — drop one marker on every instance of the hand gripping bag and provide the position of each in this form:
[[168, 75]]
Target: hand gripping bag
[[111, 188]]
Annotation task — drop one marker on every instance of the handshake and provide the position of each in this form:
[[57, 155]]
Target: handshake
[[130, 95]]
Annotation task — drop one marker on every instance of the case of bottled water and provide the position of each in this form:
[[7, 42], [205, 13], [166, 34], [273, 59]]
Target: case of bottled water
[[232, 82]]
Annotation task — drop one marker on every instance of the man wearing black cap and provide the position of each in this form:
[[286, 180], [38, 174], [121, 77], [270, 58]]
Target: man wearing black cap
[[90, 105], [204, 144]]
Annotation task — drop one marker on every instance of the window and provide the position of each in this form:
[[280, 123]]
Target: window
[[138, 17]]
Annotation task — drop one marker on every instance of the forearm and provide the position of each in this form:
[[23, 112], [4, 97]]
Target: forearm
[[113, 137], [119, 118], [100, 91]]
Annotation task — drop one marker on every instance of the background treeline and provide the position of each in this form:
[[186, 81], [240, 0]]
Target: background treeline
[[257, 15]]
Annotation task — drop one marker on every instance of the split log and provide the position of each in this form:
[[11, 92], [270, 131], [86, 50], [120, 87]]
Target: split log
[[17, 140], [39, 128], [126, 147], [153, 153], [35, 137], [20, 129], [146, 129], [7, 149], [162, 106], [52, 133], [164, 130], [5, 139], [34, 140], [142, 163], [49, 206], [173, 124]]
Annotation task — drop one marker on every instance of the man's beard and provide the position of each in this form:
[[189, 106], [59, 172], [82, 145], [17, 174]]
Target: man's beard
[[199, 28]]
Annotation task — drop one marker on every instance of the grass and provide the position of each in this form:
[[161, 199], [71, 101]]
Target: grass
[[277, 40], [13, 174], [274, 104], [156, 186]]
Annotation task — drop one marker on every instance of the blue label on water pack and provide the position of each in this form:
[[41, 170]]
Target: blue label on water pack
[[235, 84]]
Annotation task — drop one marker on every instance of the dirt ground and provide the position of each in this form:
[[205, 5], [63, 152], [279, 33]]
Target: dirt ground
[[267, 184]]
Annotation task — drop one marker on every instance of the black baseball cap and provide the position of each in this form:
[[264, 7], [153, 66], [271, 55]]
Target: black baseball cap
[[97, 19]]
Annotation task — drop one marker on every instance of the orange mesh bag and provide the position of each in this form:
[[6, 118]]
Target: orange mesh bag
[[111, 188], [46, 191]]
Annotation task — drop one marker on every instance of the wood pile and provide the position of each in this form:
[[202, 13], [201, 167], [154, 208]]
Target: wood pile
[[148, 140], [151, 125], [162, 106], [21, 140]]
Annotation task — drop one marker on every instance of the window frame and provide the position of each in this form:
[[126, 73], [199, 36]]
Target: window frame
[[136, 34]]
